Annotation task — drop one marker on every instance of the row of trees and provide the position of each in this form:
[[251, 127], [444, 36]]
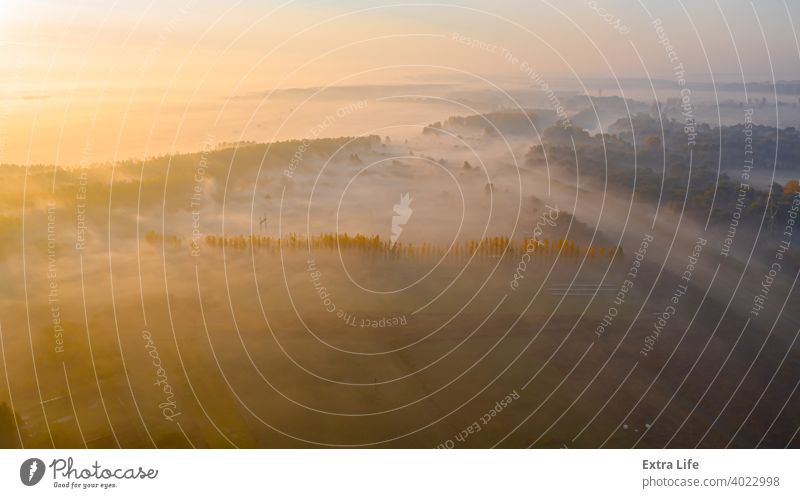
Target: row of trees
[[492, 247]]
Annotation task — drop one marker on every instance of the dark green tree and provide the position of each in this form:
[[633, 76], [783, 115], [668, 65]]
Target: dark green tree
[[8, 427]]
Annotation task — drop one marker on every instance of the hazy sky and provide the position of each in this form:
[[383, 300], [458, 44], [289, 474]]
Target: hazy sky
[[72, 63], [124, 39]]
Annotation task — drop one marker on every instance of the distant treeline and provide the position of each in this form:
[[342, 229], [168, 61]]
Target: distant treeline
[[780, 87], [514, 122], [666, 158]]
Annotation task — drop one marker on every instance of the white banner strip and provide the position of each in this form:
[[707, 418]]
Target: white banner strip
[[401, 473]]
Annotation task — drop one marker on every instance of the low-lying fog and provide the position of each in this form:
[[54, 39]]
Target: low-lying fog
[[123, 324]]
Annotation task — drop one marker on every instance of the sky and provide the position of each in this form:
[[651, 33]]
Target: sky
[[77, 64]]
